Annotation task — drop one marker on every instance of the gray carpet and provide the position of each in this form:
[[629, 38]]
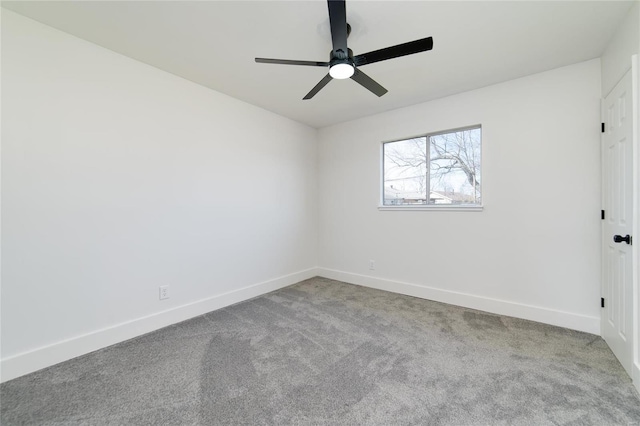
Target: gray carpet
[[325, 352]]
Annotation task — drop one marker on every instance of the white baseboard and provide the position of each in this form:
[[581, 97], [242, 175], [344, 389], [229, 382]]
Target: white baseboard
[[500, 307], [28, 362], [635, 376]]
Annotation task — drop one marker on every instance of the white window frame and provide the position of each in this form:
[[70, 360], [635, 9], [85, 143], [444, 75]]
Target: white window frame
[[432, 207]]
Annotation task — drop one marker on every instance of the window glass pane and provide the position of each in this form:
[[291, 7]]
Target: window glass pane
[[437, 169], [454, 167], [405, 172]]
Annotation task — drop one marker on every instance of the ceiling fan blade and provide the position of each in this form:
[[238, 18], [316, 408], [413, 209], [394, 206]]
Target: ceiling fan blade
[[338, 22], [327, 78], [291, 62], [404, 49], [368, 83]]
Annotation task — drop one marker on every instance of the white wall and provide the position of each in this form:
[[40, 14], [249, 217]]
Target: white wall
[[616, 59], [118, 178], [534, 252]]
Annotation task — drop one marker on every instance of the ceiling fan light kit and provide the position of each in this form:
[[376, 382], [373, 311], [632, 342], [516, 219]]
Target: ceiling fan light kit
[[341, 71], [342, 63]]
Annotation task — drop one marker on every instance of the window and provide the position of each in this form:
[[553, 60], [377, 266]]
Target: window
[[438, 169]]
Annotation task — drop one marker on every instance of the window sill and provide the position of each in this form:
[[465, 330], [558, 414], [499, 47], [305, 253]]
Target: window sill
[[440, 208]]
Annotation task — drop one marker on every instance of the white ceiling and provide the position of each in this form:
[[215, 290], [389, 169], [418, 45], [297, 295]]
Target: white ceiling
[[214, 43]]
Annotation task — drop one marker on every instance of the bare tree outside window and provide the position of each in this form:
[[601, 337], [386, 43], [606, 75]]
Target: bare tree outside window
[[448, 172]]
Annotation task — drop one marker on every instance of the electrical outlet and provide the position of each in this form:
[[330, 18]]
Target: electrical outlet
[[372, 265], [164, 292]]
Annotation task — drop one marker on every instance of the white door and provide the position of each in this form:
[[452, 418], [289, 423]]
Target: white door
[[617, 315]]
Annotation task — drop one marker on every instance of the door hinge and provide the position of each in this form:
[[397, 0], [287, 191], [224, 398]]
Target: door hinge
[[602, 214], [602, 302], [602, 127]]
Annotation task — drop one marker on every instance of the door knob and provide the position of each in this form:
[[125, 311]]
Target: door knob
[[620, 238]]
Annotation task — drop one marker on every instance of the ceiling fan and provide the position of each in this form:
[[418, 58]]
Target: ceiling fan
[[342, 64]]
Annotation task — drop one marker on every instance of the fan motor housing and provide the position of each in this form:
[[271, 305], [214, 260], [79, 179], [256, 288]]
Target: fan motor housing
[[333, 59]]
